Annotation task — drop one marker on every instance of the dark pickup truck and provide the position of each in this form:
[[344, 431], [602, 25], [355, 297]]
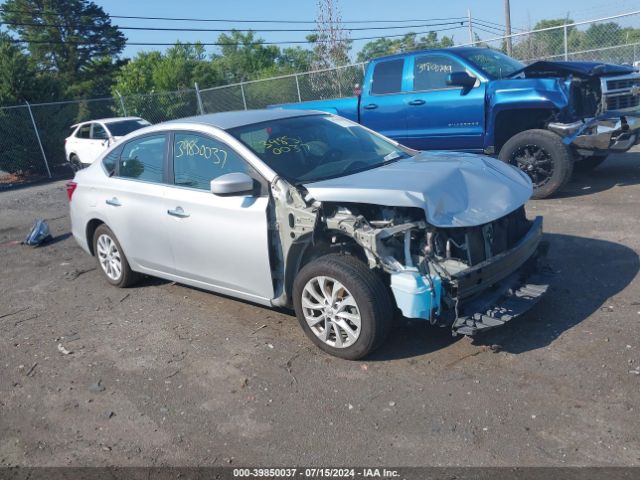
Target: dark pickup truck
[[543, 118]]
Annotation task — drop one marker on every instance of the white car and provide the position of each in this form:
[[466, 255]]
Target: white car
[[89, 139]]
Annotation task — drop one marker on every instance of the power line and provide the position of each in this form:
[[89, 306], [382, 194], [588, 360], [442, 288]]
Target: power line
[[228, 20], [171, 29], [164, 44]]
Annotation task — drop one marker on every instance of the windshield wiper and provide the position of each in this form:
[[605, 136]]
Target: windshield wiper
[[395, 155]]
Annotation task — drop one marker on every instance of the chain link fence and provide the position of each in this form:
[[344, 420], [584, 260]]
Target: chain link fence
[[32, 136]]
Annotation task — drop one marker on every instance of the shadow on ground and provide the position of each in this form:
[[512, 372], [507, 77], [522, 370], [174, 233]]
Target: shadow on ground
[[618, 170], [588, 272]]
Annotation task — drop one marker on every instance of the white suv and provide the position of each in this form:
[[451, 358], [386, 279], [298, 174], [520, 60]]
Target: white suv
[[89, 139]]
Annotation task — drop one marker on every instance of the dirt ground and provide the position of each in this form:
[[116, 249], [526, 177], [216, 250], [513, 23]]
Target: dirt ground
[[163, 374]]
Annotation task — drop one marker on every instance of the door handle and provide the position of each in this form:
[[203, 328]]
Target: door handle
[[417, 102], [114, 202], [371, 106], [178, 212]]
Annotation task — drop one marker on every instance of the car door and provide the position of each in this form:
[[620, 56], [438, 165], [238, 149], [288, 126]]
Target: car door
[[135, 206], [100, 138], [440, 116], [217, 241], [82, 143], [382, 107]]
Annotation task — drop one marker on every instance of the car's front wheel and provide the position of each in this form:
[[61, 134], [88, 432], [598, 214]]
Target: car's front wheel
[[342, 305], [111, 259], [543, 157]]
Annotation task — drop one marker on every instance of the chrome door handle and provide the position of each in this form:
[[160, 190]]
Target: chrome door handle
[[417, 102], [178, 212], [114, 202], [371, 106]]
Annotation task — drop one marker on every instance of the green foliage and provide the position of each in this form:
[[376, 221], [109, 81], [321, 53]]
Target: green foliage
[[408, 43], [52, 30]]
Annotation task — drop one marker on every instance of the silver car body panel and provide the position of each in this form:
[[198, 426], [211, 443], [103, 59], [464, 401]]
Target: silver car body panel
[[454, 189]]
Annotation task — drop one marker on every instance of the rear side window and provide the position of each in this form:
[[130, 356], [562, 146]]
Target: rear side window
[[143, 159], [84, 131], [430, 72], [111, 160], [99, 133], [198, 159], [387, 77]]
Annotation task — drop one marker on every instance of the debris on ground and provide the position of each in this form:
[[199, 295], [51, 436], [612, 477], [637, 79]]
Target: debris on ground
[[30, 371], [39, 234], [63, 350]]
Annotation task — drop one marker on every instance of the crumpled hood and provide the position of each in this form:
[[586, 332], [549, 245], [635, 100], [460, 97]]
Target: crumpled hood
[[561, 69], [453, 189]]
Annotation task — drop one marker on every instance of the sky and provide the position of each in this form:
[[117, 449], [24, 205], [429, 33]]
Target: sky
[[524, 14]]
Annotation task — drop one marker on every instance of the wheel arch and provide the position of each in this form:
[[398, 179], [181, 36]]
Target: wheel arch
[[90, 229], [311, 247]]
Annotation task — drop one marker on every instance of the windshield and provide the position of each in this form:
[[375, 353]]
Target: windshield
[[317, 147], [493, 63], [124, 127]]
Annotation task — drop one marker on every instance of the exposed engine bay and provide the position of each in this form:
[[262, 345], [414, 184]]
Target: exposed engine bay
[[432, 272]]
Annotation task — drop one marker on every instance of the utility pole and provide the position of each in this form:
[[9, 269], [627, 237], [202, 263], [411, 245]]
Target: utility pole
[[470, 26], [507, 29]]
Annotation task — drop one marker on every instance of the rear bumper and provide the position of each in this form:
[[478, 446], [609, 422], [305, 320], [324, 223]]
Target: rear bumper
[[614, 131], [506, 286]]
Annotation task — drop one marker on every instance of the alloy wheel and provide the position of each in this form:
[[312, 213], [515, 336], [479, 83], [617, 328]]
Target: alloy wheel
[[331, 312], [109, 257], [536, 162]]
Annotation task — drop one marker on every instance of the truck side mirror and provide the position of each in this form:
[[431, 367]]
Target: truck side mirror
[[461, 79]]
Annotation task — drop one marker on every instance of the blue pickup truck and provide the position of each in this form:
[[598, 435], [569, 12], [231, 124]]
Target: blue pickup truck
[[544, 117]]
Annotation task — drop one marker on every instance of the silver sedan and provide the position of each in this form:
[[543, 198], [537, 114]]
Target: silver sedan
[[312, 211]]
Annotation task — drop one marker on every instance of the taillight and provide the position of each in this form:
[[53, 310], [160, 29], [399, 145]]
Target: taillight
[[71, 187]]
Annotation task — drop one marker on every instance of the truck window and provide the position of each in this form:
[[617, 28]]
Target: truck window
[[387, 77], [430, 72]]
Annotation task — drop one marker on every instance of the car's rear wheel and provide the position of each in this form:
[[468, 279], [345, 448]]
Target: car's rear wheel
[[543, 157], [589, 163], [111, 259], [75, 163], [342, 305]]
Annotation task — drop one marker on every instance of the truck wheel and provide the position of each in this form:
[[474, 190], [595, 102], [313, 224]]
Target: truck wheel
[[587, 164], [543, 157], [342, 306]]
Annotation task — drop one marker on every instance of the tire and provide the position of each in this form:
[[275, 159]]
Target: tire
[[543, 157], [587, 164], [361, 292], [75, 163], [109, 245]]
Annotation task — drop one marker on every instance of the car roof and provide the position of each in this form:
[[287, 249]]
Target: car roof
[[453, 50], [228, 120], [106, 120]]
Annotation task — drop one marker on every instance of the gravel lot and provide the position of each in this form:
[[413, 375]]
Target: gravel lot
[[163, 374]]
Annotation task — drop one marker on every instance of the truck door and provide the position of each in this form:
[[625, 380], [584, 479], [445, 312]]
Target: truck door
[[440, 116], [381, 106]]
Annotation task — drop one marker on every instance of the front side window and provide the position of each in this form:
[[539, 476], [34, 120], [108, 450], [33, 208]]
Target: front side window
[[430, 72], [494, 64], [387, 77], [99, 133], [143, 159], [84, 131], [317, 147], [198, 159]]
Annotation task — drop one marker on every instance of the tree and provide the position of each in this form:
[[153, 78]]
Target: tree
[[331, 43], [244, 57], [19, 79], [408, 43], [65, 37]]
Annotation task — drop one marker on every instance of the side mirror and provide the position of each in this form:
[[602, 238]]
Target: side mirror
[[232, 184], [461, 79]]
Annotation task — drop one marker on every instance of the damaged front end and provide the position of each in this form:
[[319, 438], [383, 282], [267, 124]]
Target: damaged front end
[[467, 278], [609, 112]]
